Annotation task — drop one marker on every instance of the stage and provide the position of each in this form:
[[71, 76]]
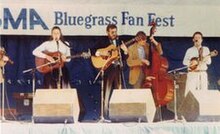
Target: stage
[[25, 25], [12, 127]]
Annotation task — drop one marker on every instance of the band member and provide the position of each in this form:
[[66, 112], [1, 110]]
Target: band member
[[197, 78], [139, 57], [56, 43], [3, 60], [112, 75]]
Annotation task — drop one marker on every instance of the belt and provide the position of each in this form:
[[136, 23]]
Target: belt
[[196, 70]]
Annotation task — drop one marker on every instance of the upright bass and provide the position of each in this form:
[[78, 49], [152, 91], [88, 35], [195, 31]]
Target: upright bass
[[160, 82]]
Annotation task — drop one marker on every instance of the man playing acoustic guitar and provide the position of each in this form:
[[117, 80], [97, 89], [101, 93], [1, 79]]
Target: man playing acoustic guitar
[[197, 58], [107, 57], [54, 51]]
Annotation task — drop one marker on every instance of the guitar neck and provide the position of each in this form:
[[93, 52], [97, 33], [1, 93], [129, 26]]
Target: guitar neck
[[128, 43], [74, 56]]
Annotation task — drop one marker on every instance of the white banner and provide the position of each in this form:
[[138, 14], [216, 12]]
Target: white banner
[[92, 19]]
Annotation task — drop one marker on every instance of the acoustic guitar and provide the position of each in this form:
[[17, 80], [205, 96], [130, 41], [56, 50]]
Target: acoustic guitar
[[45, 66], [104, 61], [195, 60]]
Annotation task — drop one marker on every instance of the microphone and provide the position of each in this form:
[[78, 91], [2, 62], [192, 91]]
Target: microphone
[[196, 42], [57, 40], [57, 45], [59, 54]]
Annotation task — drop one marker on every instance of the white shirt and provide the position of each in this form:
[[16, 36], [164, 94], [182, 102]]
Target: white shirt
[[51, 46], [141, 52], [193, 52], [114, 42]]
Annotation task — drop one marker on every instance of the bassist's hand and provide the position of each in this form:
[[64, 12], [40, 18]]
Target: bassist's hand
[[153, 41], [50, 59], [146, 62], [150, 78]]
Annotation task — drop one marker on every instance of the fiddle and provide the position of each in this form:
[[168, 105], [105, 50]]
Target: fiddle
[[4, 58]]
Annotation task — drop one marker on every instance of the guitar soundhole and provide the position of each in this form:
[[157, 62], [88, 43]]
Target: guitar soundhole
[[110, 53], [55, 58], [105, 57]]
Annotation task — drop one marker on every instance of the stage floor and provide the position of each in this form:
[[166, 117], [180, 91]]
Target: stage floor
[[15, 127]]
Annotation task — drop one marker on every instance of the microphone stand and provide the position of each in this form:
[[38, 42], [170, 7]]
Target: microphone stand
[[101, 73], [121, 78], [2, 87], [175, 73], [60, 69], [33, 70], [3, 95], [176, 86]]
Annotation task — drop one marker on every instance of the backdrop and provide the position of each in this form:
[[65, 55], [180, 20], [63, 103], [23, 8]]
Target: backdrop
[[82, 73]]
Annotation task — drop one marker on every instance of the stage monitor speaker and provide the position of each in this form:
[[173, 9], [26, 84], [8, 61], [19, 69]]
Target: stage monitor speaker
[[132, 105], [55, 106], [201, 106]]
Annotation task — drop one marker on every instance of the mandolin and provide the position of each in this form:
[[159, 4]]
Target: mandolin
[[194, 62]]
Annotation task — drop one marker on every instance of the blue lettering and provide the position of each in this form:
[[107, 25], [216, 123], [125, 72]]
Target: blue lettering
[[58, 18], [150, 18], [114, 20], [80, 20], [15, 24], [131, 20], [172, 21], [158, 21], [65, 18], [124, 18], [35, 19], [161, 21]]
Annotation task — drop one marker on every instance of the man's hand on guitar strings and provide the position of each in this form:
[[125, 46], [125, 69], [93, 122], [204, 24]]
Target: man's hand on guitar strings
[[63, 57]]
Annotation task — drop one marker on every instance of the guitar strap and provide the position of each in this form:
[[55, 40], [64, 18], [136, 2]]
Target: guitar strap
[[65, 43], [200, 54]]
